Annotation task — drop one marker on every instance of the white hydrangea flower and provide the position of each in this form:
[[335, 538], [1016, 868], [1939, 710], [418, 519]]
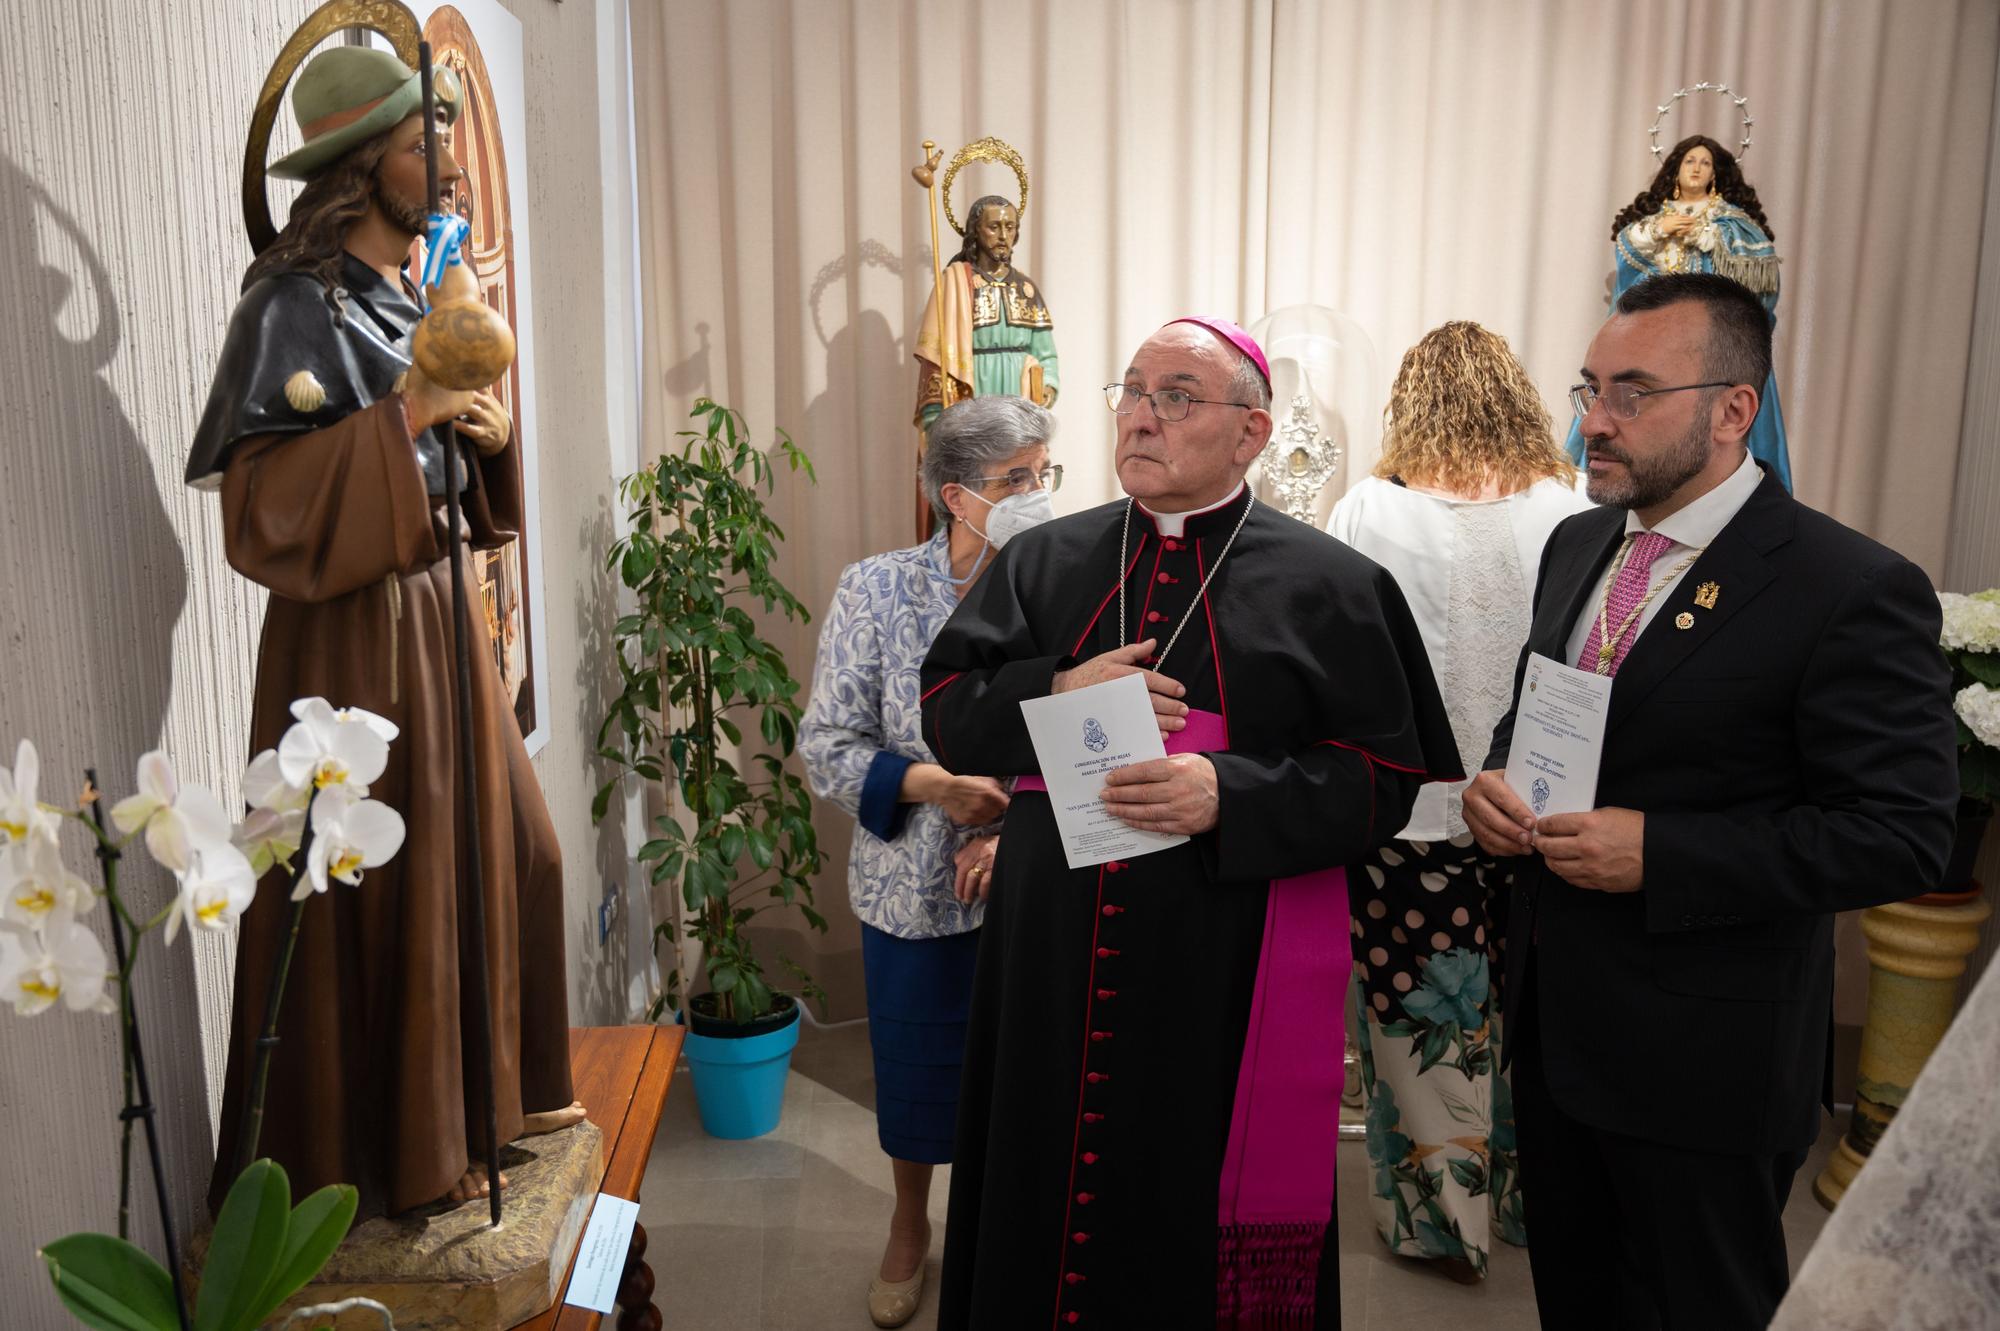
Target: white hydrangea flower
[[1979, 707], [1971, 623]]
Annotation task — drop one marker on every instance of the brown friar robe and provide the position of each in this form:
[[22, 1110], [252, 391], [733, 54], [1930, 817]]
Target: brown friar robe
[[373, 1081]]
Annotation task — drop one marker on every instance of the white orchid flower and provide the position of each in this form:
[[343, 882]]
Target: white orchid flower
[[217, 887], [265, 787], [20, 816], [269, 836], [34, 882], [318, 710], [62, 959], [347, 838], [176, 818], [324, 750]]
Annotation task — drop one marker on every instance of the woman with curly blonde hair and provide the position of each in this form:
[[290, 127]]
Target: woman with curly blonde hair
[[1470, 484]]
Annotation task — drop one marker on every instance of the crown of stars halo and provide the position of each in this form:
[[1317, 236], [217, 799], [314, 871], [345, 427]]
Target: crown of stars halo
[[1681, 94]]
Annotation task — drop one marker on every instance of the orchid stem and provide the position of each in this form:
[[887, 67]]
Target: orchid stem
[[138, 1093], [267, 1043]]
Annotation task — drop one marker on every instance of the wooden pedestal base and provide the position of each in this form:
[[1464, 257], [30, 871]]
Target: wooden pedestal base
[[445, 1266]]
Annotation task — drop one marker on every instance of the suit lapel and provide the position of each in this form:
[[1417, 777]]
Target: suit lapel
[[1735, 563]]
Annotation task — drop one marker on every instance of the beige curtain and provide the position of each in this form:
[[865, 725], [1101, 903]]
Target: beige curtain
[[1400, 161]]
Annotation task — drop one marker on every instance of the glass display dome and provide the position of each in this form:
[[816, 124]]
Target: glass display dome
[[1327, 397]]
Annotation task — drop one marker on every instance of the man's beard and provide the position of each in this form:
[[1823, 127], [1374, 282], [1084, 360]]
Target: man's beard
[[1653, 480], [402, 214]]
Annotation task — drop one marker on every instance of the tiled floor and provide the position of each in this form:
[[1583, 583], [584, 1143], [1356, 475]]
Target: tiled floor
[[782, 1233]]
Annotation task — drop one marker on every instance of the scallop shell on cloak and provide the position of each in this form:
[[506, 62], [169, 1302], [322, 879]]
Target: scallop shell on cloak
[[305, 392]]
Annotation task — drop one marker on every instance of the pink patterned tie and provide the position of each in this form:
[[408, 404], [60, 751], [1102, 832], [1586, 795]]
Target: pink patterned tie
[[1627, 590]]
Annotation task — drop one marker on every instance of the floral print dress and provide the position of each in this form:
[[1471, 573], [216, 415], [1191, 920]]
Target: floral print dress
[[1429, 919]]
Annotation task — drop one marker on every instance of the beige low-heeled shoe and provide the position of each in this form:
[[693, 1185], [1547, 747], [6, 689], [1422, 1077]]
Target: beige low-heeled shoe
[[892, 1303]]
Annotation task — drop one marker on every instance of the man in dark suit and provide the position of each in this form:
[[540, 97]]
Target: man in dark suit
[[1779, 746]]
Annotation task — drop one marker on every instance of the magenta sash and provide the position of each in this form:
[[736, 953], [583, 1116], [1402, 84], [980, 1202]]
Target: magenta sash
[[1275, 1196]]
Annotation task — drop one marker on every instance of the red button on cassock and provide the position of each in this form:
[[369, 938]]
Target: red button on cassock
[[1084, 1199], [1154, 616], [1079, 1237], [1166, 577], [1072, 1318], [1113, 910], [1107, 951], [1074, 1278], [1089, 1157], [1171, 543], [1100, 1035], [1107, 993], [1095, 1077], [1093, 1118]]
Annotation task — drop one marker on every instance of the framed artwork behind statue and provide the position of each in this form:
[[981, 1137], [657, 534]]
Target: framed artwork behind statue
[[481, 42]]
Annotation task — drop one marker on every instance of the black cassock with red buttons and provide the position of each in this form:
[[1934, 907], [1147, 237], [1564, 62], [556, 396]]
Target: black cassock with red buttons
[[1110, 1003]]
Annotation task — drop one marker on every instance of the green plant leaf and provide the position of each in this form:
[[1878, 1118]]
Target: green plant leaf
[[317, 1226], [108, 1284], [729, 846], [249, 1236], [1984, 667]]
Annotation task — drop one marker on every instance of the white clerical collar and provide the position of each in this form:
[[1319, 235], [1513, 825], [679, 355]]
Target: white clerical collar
[[1698, 523], [1174, 524]]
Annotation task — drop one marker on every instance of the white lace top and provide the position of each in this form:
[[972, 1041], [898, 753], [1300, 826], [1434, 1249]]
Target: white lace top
[[1467, 568]]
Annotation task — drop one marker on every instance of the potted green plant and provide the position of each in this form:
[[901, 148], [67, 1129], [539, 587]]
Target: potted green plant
[[1971, 642], [695, 674]]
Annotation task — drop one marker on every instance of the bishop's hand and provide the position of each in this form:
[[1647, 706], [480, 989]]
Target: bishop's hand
[[1168, 709], [1175, 795]]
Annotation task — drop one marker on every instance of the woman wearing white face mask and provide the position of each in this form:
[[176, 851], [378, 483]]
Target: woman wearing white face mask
[[923, 848]]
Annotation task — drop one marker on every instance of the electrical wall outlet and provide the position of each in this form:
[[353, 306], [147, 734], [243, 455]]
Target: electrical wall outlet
[[607, 908]]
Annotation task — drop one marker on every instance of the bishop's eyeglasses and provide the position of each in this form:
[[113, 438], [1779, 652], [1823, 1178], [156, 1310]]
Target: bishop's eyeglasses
[[1623, 400], [1169, 404]]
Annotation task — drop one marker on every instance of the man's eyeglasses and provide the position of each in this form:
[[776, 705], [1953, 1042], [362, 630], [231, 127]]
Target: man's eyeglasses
[[1169, 404], [1020, 480], [1623, 400]]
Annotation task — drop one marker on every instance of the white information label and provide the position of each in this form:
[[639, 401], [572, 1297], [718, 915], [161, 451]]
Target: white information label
[[1079, 738], [1558, 737], [600, 1258]]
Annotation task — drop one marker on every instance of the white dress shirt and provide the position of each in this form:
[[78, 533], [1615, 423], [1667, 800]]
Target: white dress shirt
[[1691, 529]]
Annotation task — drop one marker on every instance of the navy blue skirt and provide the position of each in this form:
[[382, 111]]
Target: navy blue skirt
[[919, 994]]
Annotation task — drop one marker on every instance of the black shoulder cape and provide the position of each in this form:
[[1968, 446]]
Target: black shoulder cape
[[354, 339]]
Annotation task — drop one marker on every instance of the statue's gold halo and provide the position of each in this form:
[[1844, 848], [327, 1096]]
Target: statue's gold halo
[[985, 150], [391, 18]]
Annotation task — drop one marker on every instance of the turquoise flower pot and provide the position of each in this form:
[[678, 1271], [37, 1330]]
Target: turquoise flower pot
[[739, 1071]]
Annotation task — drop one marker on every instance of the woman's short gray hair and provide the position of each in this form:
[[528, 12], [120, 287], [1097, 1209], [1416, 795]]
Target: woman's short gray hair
[[971, 436]]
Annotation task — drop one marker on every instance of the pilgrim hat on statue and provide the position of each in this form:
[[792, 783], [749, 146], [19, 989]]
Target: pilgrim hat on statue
[[349, 94]]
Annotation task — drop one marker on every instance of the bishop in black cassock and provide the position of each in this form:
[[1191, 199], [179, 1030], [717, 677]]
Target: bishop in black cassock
[[1151, 1099]]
